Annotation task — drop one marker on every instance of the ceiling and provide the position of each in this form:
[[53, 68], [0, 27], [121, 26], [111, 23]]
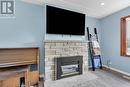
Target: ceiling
[[92, 8]]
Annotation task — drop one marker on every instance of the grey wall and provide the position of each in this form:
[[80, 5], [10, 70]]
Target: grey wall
[[110, 41], [26, 29]]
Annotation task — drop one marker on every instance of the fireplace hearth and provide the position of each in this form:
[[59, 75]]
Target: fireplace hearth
[[68, 66]]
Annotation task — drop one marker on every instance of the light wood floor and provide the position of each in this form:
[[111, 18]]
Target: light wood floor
[[108, 79]]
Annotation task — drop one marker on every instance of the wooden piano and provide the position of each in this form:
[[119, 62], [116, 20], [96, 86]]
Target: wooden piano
[[15, 67]]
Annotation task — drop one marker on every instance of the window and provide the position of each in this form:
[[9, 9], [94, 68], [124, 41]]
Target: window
[[125, 36]]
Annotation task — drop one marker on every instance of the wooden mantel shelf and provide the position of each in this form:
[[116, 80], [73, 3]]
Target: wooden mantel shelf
[[18, 56]]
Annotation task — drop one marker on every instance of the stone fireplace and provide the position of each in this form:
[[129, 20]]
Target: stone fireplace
[[65, 58]]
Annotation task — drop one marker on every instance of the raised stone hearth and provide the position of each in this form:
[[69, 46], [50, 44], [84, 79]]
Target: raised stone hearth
[[58, 49]]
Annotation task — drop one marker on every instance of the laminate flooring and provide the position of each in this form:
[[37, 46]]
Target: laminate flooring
[[107, 78]]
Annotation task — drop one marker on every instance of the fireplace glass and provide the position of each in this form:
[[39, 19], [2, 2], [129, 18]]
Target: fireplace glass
[[69, 69], [68, 66]]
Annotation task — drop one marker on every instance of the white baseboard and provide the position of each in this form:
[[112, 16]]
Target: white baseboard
[[117, 70]]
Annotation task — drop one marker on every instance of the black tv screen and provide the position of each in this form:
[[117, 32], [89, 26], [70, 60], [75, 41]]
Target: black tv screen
[[61, 21]]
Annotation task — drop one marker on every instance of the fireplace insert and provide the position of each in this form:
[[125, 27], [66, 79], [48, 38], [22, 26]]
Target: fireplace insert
[[68, 66]]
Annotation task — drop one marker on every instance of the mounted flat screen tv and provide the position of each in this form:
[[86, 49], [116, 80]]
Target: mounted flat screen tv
[[61, 21]]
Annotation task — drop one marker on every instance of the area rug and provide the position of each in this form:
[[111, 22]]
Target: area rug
[[75, 81]]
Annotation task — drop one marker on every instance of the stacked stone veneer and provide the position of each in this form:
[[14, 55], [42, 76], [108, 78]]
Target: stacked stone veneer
[[54, 49]]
